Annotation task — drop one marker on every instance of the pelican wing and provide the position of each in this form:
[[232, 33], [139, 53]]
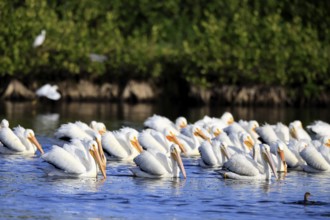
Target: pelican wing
[[112, 146], [76, 149], [267, 133], [10, 140], [242, 165], [149, 164], [207, 154], [314, 159], [319, 129], [149, 142], [71, 130], [63, 160]]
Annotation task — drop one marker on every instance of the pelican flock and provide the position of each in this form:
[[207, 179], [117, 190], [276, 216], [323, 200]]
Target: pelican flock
[[244, 150]]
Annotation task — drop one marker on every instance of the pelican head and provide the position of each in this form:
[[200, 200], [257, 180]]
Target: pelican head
[[197, 131], [94, 151], [4, 123], [216, 130], [170, 135], [253, 125], [227, 117], [175, 154], [326, 141], [98, 126], [132, 137], [265, 150], [181, 122], [29, 134], [247, 140], [293, 127]]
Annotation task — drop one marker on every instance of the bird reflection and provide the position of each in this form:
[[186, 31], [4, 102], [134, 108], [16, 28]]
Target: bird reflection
[[46, 123]]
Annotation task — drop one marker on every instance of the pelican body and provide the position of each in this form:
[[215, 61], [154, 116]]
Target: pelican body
[[77, 159], [19, 141], [241, 167], [153, 164], [121, 145]]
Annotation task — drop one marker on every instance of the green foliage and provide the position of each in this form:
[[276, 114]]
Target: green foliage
[[203, 42]]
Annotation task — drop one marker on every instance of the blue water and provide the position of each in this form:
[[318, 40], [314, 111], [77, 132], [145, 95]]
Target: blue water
[[27, 192]]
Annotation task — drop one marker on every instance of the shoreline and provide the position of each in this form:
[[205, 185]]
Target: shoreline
[[149, 92]]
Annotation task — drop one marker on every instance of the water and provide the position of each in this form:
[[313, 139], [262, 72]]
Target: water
[[26, 192]]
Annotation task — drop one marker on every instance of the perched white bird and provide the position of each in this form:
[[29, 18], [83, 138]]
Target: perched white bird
[[77, 159], [19, 141], [39, 40], [97, 57], [49, 91], [122, 145], [240, 166], [153, 164]]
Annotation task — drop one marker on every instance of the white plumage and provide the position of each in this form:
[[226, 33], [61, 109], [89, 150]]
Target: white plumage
[[122, 144], [39, 40], [49, 91], [240, 166], [77, 159], [19, 141], [153, 164]]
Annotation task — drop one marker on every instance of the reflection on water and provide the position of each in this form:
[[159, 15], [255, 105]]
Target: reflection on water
[[27, 192], [116, 115]]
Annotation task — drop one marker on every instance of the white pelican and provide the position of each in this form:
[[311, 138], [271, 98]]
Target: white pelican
[[319, 129], [207, 122], [82, 131], [278, 158], [160, 123], [191, 138], [315, 161], [153, 164], [298, 132], [19, 141], [79, 130], [49, 91], [282, 132], [324, 148], [268, 136], [250, 127], [122, 144], [77, 159], [159, 141], [212, 154], [242, 167], [39, 40]]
